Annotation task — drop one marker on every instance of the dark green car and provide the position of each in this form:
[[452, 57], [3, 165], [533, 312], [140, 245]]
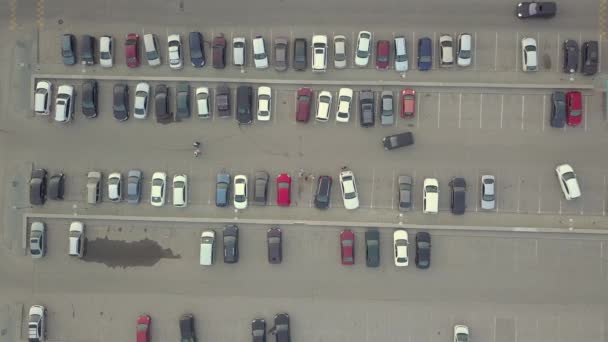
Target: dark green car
[[372, 248]]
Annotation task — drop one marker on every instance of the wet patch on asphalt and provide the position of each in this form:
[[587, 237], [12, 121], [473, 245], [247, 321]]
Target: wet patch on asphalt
[[119, 253]]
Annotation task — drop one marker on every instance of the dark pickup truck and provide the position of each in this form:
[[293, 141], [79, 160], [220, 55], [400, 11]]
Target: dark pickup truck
[[394, 141]]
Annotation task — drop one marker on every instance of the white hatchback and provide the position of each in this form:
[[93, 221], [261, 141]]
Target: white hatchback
[[140, 105], [319, 53], [264, 103], [174, 43], [115, 187], [180, 191], [348, 185], [260, 57], [240, 192], [345, 98], [323, 105], [568, 182], [400, 243]]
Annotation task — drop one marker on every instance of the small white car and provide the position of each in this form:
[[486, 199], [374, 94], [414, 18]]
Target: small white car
[[202, 102], [400, 244], [36, 323], [319, 53], [142, 96], [364, 48], [400, 51], [339, 51], [446, 50], [430, 196], [260, 57], [568, 182], [240, 192], [348, 185], [157, 195], [461, 333], [488, 192], [238, 51], [114, 187], [180, 191], [37, 240], [76, 239], [106, 56], [264, 103], [174, 43], [64, 103], [42, 98], [323, 105], [345, 98], [463, 55], [529, 55]]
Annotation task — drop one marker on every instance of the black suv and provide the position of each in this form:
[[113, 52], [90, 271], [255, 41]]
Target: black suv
[[243, 105], [38, 187], [121, 102], [372, 248], [590, 58], [231, 244], [423, 250], [186, 328], [161, 104], [458, 199], [89, 98], [570, 56], [322, 196]]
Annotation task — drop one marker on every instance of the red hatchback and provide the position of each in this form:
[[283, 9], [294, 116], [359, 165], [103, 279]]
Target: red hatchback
[[574, 108], [284, 190], [408, 103], [303, 104], [132, 50], [347, 247], [143, 328], [383, 49]]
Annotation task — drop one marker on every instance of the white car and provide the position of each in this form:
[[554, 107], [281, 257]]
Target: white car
[[238, 51], [202, 102], [260, 57], [461, 333], [180, 191], [64, 103], [240, 191], [463, 55], [319, 53], [364, 48], [36, 323], [339, 51], [345, 98], [142, 96], [114, 187], [264, 103], [400, 51], [157, 195], [348, 185], [42, 98], [446, 50], [430, 196], [529, 55], [567, 181], [37, 240], [400, 243], [174, 43], [323, 105], [106, 56], [76, 239]]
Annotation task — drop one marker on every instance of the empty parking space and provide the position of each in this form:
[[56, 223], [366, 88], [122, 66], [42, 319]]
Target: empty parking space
[[428, 113], [533, 113], [484, 45], [491, 111], [508, 191], [470, 111], [449, 110], [507, 47], [513, 111]]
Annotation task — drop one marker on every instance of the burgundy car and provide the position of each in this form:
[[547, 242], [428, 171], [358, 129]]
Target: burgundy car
[[383, 49], [143, 328], [219, 52], [132, 50], [303, 104], [574, 108], [347, 247]]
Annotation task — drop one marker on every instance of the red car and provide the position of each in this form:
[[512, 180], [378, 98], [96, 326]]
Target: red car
[[347, 247], [132, 50], [303, 104], [143, 328], [408, 103], [283, 190], [383, 50], [574, 108]]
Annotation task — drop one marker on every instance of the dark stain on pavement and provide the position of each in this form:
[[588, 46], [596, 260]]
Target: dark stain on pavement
[[118, 253]]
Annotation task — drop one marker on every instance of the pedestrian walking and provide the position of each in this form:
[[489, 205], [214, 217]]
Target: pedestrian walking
[[197, 152], [196, 144]]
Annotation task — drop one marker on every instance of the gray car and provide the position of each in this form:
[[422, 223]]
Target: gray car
[[488, 192], [182, 99], [222, 188], [260, 188], [405, 193], [37, 240], [366, 104], [281, 47], [558, 109], [134, 179], [387, 113]]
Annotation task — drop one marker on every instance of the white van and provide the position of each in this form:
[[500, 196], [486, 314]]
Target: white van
[[260, 58], [319, 53], [430, 196], [238, 51], [207, 248], [151, 48], [76, 239]]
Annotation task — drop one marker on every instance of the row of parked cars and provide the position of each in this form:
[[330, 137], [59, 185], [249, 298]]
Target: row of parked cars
[[566, 108], [587, 57]]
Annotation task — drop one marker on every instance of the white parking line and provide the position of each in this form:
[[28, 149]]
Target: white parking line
[[418, 113], [439, 110], [502, 107], [480, 109], [560, 206], [475, 51], [413, 180], [557, 46], [523, 101], [495, 51], [459, 109], [516, 49], [585, 117], [434, 40], [477, 190], [312, 192], [604, 200], [518, 191], [274, 105], [371, 205], [413, 66], [539, 193], [543, 114]]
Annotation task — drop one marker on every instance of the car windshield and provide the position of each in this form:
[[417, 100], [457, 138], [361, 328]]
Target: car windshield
[[533, 8], [222, 186], [425, 59], [568, 175], [324, 99], [260, 55], [104, 55], [196, 53], [383, 59], [142, 327], [465, 54], [157, 182], [462, 337], [274, 240], [179, 185], [283, 185], [401, 259], [575, 112], [488, 197], [372, 242], [303, 98], [239, 198], [350, 195], [347, 243], [258, 333], [340, 57], [239, 45], [530, 48], [152, 55], [362, 54], [423, 244], [405, 186], [114, 180], [431, 188], [401, 58]]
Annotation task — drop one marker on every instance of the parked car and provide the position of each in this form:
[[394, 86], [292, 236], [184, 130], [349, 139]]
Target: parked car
[[240, 192], [568, 182], [243, 104], [115, 187], [180, 191], [36, 324], [132, 50], [304, 97], [463, 55], [56, 186], [64, 103], [87, 50], [323, 106], [93, 187], [207, 251], [405, 192], [159, 184], [383, 50], [197, 49], [134, 181], [260, 189], [574, 108], [186, 328], [284, 190], [488, 192], [42, 97], [347, 247], [461, 333], [400, 244], [37, 240], [400, 54], [174, 45], [68, 49], [372, 248], [140, 105], [274, 238], [529, 54], [319, 53], [570, 56], [239, 51], [260, 57], [300, 51], [423, 250], [425, 54], [345, 98], [38, 187], [281, 327], [323, 193], [264, 103], [120, 104], [230, 236], [222, 188], [258, 330], [281, 53], [76, 239], [364, 48], [458, 187], [430, 196], [143, 328], [446, 50], [202, 96], [387, 113], [89, 98], [366, 108], [350, 195], [182, 100], [536, 9], [558, 109], [590, 57], [339, 51], [151, 48], [161, 104], [219, 52], [222, 101], [408, 103]]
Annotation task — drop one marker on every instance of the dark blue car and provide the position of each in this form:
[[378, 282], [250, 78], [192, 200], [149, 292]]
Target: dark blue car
[[425, 54], [197, 50], [222, 189]]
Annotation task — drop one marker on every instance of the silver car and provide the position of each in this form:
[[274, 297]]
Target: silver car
[[488, 192], [387, 115], [134, 186], [405, 193], [37, 240]]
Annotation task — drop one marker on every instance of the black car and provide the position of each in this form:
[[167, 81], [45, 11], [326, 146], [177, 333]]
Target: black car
[[197, 49], [222, 101], [231, 244], [372, 248], [258, 330], [458, 201], [570, 56], [260, 188], [274, 236], [423, 250], [161, 104], [87, 50], [121, 102], [68, 49], [182, 99], [38, 187], [536, 9], [558, 109], [590, 58], [186, 328], [55, 187], [366, 107], [89, 98], [322, 196], [299, 54], [281, 328], [243, 105], [394, 141]]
